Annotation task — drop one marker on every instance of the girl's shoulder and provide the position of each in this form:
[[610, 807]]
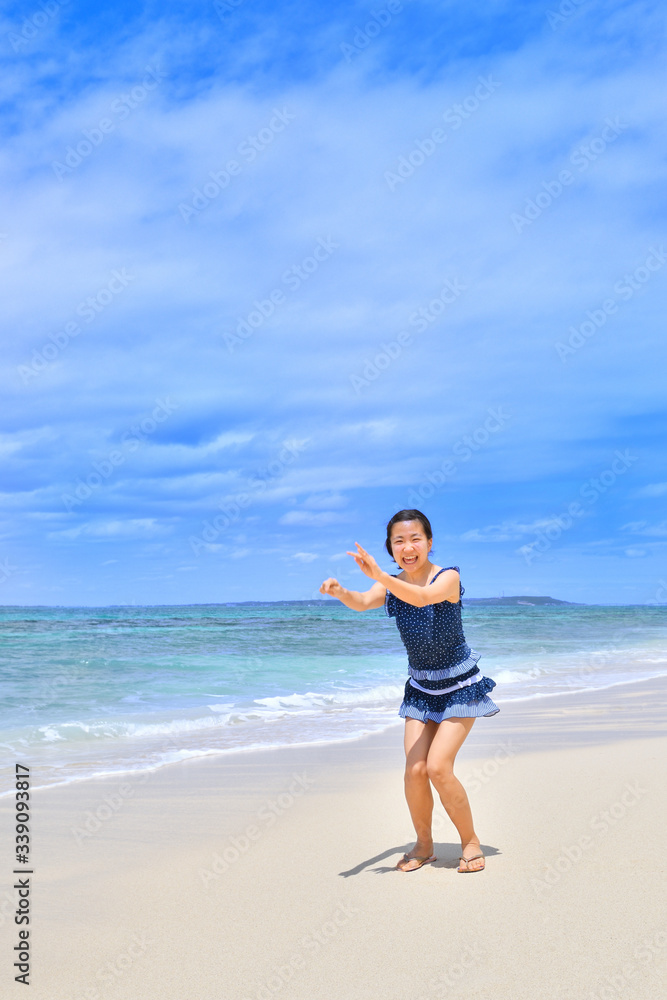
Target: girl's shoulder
[[442, 569], [449, 603]]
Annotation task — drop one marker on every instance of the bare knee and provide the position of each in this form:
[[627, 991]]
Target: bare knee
[[416, 771], [439, 772]]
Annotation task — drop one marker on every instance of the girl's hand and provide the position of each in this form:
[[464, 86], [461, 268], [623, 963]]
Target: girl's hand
[[331, 587], [366, 562]]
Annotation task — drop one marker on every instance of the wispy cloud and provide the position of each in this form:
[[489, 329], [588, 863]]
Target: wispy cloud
[[131, 528], [658, 530], [652, 490], [312, 519], [505, 532]]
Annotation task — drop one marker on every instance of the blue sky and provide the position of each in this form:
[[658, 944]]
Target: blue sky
[[273, 273]]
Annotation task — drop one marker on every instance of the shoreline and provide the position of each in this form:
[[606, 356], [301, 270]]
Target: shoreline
[[257, 874], [530, 711]]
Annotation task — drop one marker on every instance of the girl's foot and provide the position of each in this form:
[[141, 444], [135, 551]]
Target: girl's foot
[[468, 862], [415, 858]]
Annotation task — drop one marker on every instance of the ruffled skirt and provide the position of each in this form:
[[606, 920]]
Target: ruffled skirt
[[467, 702]]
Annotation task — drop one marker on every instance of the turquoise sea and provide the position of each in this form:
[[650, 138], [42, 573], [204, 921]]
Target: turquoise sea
[[104, 690]]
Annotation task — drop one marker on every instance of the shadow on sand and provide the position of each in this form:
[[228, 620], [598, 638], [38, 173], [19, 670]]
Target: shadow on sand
[[447, 856]]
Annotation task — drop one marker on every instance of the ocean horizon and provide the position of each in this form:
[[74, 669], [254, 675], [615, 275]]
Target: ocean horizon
[[521, 598]]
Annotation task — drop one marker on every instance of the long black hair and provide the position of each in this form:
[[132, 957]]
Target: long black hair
[[408, 515]]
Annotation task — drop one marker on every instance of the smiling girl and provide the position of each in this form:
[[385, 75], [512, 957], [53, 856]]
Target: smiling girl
[[445, 691]]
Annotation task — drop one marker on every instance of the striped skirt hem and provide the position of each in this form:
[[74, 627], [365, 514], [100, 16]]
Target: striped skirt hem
[[465, 702], [445, 673]]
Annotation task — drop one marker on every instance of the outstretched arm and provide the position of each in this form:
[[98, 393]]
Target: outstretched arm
[[355, 599], [445, 588]]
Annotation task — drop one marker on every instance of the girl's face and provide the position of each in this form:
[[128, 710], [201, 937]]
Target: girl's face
[[409, 545]]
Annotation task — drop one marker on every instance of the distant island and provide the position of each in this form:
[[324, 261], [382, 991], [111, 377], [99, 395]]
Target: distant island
[[526, 600], [512, 601]]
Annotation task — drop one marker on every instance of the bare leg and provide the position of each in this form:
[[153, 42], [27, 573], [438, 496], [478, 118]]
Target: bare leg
[[440, 768], [418, 738]]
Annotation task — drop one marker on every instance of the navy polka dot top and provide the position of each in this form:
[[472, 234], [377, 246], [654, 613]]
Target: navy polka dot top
[[432, 635]]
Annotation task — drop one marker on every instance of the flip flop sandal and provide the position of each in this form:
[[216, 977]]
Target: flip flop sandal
[[466, 870], [422, 861]]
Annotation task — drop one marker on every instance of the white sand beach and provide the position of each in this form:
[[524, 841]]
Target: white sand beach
[[270, 874]]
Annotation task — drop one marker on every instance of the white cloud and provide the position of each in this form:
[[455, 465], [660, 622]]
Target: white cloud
[[327, 501], [652, 490], [505, 532], [147, 527], [644, 528], [308, 519], [226, 440]]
